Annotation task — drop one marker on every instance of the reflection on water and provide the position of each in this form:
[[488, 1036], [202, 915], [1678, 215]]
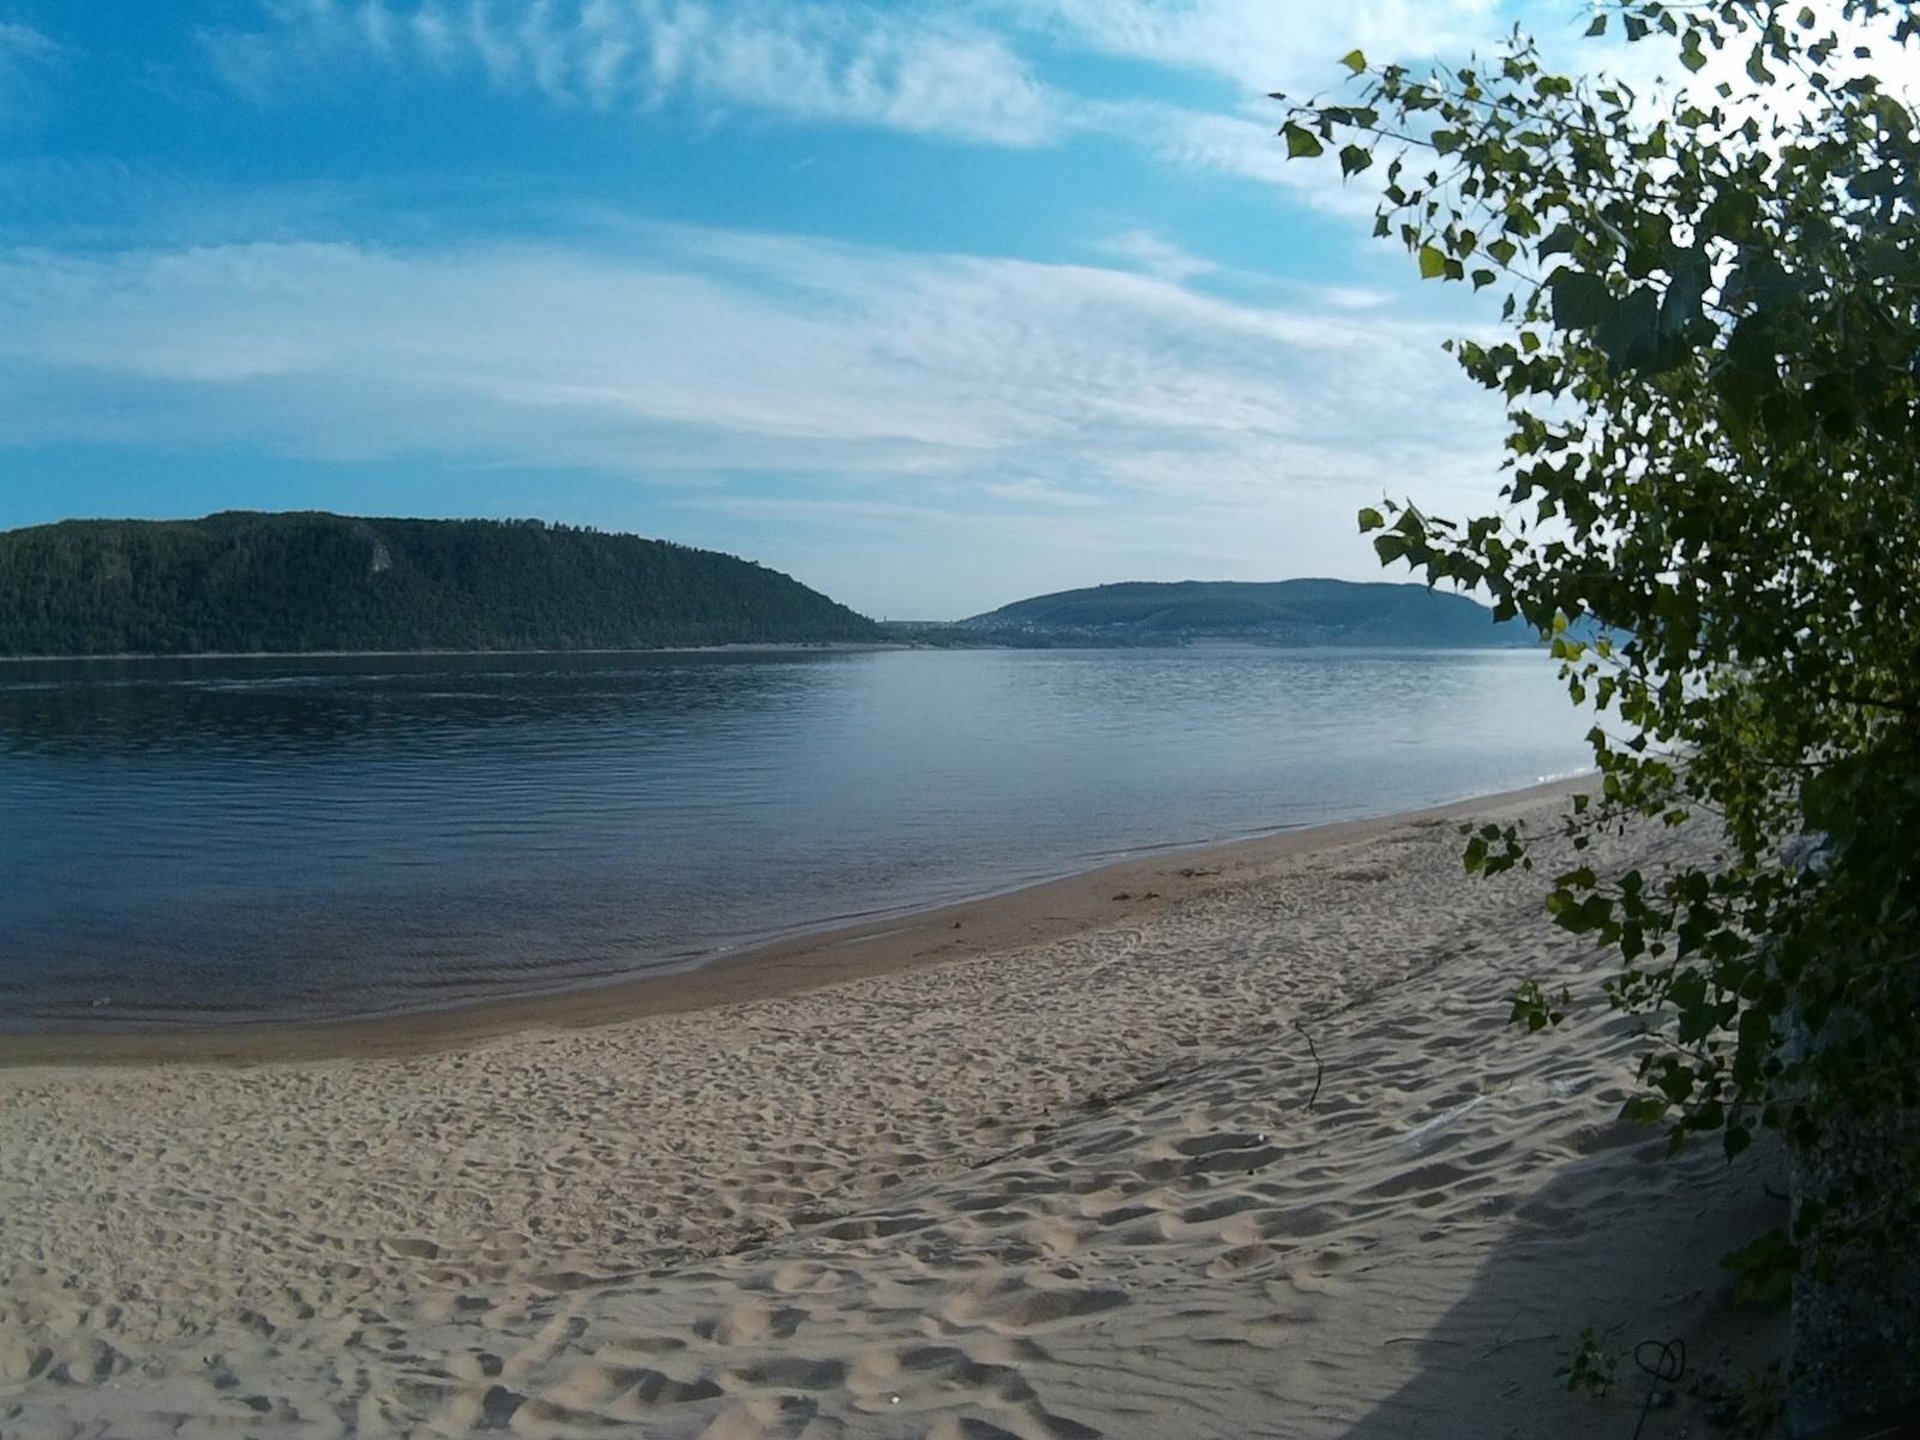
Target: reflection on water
[[338, 836], [226, 708]]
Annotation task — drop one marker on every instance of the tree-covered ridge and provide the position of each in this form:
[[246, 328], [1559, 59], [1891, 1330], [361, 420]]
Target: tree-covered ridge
[[241, 581], [1278, 612]]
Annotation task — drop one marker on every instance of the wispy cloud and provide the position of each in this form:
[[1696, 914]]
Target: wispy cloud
[[940, 67], [1157, 413], [1241, 145], [1256, 45], [720, 354], [1155, 254], [843, 63], [24, 51]]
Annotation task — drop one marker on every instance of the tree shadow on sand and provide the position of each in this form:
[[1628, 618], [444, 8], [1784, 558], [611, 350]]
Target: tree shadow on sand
[[1625, 1241]]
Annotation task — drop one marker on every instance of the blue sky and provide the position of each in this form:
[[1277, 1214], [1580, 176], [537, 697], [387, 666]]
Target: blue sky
[[931, 304]]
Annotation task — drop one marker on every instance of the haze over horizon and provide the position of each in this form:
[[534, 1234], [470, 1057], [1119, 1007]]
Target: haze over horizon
[[932, 306]]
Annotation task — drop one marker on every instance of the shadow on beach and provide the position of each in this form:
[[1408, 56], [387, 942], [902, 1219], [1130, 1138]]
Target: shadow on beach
[[1625, 1241]]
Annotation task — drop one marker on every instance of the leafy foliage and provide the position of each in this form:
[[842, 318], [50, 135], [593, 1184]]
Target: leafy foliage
[[1712, 319], [1591, 1366], [250, 582]]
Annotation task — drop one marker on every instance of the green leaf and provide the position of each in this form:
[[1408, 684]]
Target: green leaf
[[1371, 519], [1683, 306], [1475, 856], [1302, 143], [1560, 242], [1354, 159], [1629, 335], [1533, 1009], [1354, 61], [1832, 798], [1675, 1081], [1433, 263], [1580, 301]]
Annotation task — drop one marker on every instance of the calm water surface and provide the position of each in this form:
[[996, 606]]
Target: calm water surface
[[232, 840]]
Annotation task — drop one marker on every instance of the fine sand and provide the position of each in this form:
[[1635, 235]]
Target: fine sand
[[1229, 1143]]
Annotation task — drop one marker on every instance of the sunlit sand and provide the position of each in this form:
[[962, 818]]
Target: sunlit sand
[[1235, 1144]]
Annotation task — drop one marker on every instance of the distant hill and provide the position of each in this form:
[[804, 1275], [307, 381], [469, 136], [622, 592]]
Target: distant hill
[[242, 581], [1278, 612]]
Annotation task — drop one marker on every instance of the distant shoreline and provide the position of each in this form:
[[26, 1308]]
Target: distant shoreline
[[1130, 890], [778, 647], [738, 646]]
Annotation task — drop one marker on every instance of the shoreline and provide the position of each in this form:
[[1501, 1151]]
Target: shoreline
[[723, 648], [754, 647], [1131, 890], [1266, 1161]]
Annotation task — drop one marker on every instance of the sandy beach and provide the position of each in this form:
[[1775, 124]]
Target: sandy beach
[[1220, 1143]]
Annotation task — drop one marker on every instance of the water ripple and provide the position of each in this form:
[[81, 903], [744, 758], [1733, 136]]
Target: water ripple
[[238, 839]]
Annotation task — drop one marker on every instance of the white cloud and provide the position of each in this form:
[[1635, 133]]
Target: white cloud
[[1352, 297], [1073, 396], [1243, 146], [1029, 491], [1258, 45], [938, 67], [1156, 255], [813, 62]]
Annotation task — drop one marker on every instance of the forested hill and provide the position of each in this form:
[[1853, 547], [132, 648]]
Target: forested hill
[[241, 581], [1279, 612]]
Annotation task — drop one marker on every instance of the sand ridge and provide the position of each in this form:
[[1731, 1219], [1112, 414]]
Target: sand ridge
[[1067, 1189]]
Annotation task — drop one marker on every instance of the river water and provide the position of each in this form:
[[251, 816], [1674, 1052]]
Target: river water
[[195, 840]]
